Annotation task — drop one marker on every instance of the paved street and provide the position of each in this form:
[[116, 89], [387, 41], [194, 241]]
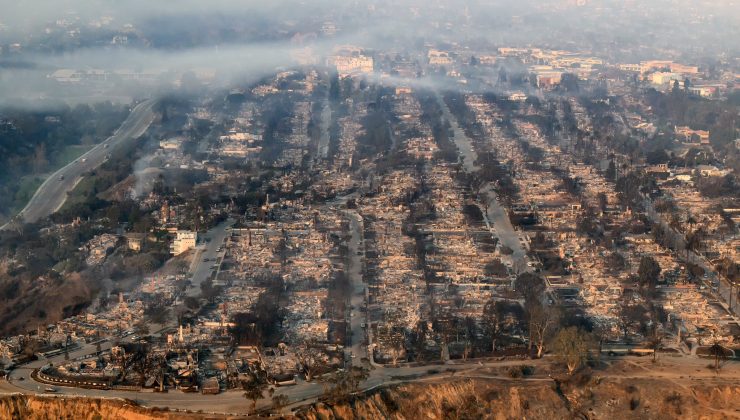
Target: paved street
[[52, 194], [201, 268], [357, 299], [233, 402], [323, 146], [724, 289], [497, 214]]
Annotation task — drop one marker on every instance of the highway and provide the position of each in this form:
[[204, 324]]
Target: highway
[[52, 194]]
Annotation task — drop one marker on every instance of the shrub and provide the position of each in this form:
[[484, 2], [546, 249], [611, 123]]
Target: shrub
[[515, 372], [521, 370], [581, 378]]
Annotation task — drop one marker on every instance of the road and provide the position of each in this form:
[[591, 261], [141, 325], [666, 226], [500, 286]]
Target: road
[[24, 371], [323, 146], [726, 292], [52, 194], [233, 402], [202, 269], [357, 349], [497, 216]]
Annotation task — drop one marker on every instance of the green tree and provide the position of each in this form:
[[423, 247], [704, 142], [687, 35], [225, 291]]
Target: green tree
[[611, 171], [648, 273], [254, 389], [571, 347], [141, 328], [531, 286], [343, 383], [720, 355], [496, 317], [310, 359], [192, 303], [279, 401]]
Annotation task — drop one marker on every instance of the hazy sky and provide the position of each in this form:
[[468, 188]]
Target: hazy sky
[[252, 38]]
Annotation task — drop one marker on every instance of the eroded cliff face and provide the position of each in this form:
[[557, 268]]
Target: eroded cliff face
[[586, 397], [53, 408], [617, 398]]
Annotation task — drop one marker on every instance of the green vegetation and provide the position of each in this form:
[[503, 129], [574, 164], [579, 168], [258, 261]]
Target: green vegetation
[[29, 184], [571, 347], [37, 143]]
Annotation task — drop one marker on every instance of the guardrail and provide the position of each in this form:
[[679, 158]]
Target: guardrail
[[53, 380]]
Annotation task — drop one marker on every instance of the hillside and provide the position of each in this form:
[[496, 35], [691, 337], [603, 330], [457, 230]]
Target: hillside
[[619, 398], [48, 408], [622, 389]]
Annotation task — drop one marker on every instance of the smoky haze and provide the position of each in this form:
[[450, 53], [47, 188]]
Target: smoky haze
[[247, 40]]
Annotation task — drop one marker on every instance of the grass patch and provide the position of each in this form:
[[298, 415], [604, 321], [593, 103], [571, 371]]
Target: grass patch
[[67, 155], [28, 185], [81, 192], [26, 188]]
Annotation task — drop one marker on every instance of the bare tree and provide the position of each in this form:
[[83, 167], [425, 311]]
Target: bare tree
[[150, 365], [40, 162], [485, 200], [656, 344], [131, 361], [470, 332], [541, 320], [396, 344], [418, 339]]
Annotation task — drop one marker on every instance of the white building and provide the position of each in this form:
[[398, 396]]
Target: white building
[[661, 78], [184, 241], [347, 65], [439, 58]]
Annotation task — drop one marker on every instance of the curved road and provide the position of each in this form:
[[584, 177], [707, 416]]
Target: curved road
[[52, 194], [233, 401]]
